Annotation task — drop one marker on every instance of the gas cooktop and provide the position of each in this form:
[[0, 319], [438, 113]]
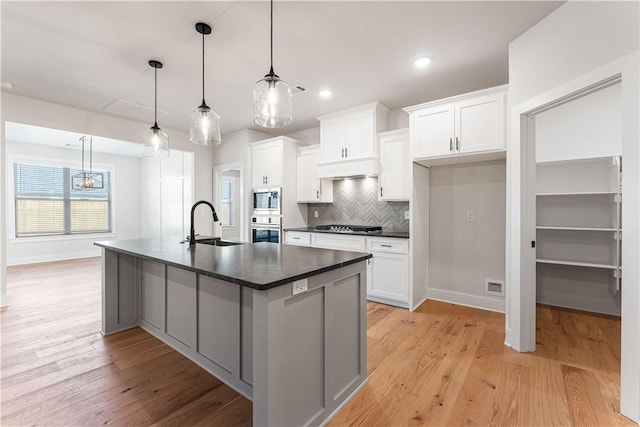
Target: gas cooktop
[[349, 228]]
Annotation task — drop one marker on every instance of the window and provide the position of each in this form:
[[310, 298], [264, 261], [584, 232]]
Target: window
[[226, 199], [45, 204]]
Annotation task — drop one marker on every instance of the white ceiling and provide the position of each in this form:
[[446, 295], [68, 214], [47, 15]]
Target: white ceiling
[[90, 54]]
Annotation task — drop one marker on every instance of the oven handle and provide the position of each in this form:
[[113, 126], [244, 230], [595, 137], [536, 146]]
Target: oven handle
[[265, 227]]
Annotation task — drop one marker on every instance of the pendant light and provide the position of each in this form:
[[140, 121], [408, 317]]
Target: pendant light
[[156, 142], [87, 179], [204, 128], [272, 97]]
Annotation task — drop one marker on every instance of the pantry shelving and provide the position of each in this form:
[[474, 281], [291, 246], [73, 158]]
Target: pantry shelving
[[578, 205]]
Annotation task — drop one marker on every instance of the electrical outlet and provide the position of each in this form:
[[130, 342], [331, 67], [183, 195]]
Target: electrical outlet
[[300, 286], [315, 214], [406, 215], [469, 216]]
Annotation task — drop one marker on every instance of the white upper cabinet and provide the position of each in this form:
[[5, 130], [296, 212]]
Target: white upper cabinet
[[309, 188], [462, 125], [267, 163], [348, 144], [432, 129], [394, 176], [333, 134], [480, 124]]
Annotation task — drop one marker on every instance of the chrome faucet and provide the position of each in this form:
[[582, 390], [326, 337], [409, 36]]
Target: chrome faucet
[[192, 233]]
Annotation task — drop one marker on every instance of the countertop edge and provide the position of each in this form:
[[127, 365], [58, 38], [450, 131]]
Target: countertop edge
[[234, 280]]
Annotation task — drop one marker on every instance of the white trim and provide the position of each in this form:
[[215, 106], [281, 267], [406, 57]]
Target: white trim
[[243, 215], [474, 301], [483, 92], [60, 237], [520, 315], [60, 256]]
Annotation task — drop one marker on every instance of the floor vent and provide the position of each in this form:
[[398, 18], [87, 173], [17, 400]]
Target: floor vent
[[494, 287]]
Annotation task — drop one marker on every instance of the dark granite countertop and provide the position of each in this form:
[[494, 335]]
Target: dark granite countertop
[[259, 266], [383, 233]]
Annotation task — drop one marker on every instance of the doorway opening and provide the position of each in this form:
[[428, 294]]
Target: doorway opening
[[228, 191]]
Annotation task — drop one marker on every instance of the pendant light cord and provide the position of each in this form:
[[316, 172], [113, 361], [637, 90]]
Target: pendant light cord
[[155, 95], [203, 103], [83, 171], [271, 71]]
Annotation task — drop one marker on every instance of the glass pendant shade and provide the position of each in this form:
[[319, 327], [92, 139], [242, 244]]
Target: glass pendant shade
[[272, 102], [204, 125], [156, 142], [272, 97], [204, 128]]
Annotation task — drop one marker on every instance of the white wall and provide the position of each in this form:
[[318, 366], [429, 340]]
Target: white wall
[[309, 136], [463, 251], [590, 126], [578, 45], [235, 150], [4, 297], [126, 219], [577, 37], [46, 114]]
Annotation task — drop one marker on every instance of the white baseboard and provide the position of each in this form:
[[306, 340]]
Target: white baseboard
[[62, 256], [474, 301], [580, 302]]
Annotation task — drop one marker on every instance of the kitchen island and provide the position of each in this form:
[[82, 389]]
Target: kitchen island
[[283, 325]]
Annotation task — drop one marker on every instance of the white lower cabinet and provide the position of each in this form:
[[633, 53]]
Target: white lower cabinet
[[338, 242], [388, 271], [297, 238]]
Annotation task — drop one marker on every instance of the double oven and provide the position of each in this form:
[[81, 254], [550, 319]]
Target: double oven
[[266, 218]]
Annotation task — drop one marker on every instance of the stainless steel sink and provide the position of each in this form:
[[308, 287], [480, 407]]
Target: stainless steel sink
[[218, 242]]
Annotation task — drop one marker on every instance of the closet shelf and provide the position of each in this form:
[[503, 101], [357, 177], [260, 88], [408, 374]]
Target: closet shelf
[[545, 227], [578, 193], [577, 264]]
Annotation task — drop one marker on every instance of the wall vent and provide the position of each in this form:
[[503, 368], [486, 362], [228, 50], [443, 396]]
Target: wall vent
[[494, 287]]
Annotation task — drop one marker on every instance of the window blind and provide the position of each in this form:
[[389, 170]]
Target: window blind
[[45, 205]]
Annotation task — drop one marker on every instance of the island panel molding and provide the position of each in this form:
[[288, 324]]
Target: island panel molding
[[299, 358]]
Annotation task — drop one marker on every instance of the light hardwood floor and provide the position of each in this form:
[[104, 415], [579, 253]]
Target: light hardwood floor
[[441, 365]]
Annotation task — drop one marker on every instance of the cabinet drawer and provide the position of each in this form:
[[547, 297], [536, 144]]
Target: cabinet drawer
[[396, 246], [337, 242], [298, 238]]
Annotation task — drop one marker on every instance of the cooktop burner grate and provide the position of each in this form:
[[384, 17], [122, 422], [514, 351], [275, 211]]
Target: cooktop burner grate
[[349, 228]]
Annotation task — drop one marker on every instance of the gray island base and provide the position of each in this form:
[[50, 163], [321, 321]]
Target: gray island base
[[232, 310]]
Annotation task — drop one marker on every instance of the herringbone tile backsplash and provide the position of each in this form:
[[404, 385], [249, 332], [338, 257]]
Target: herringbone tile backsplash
[[355, 201]]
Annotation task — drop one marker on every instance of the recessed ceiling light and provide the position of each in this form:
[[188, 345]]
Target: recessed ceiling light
[[422, 62], [326, 93], [6, 85]]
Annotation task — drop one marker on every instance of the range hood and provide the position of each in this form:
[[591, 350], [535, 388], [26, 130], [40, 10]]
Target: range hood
[[351, 168]]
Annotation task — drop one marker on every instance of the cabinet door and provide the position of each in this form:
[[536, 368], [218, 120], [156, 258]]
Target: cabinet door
[[152, 293], [480, 124], [394, 160], [332, 139], [361, 137], [338, 242], [297, 238], [432, 131], [258, 170], [267, 165], [388, 276], [308, 186]]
